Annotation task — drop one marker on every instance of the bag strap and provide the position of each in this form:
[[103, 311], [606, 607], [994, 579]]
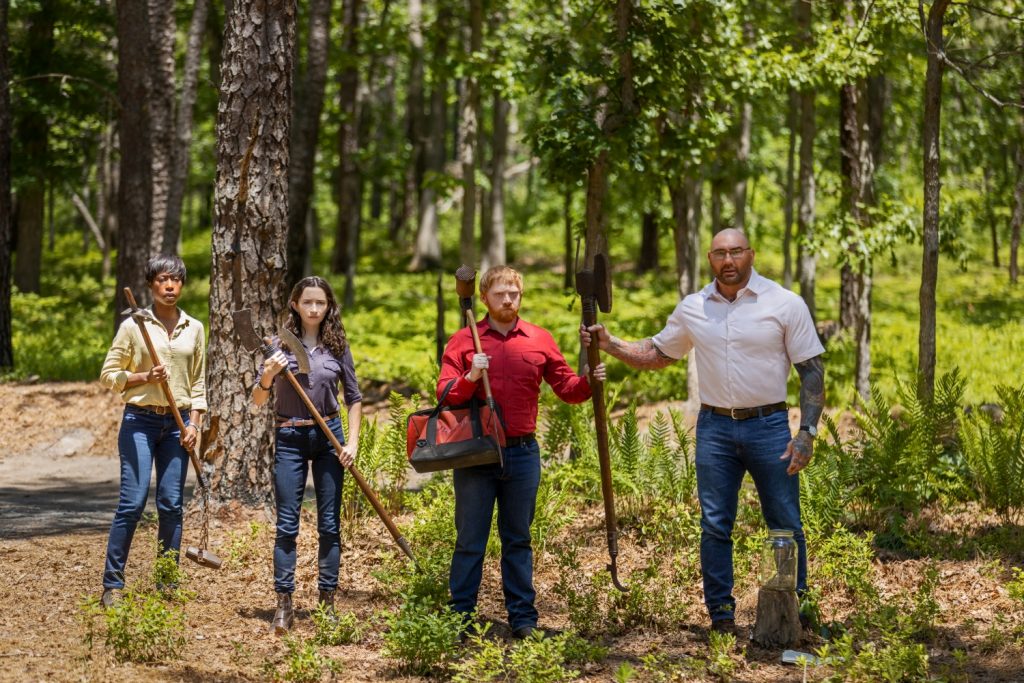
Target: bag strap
[[432, 419]]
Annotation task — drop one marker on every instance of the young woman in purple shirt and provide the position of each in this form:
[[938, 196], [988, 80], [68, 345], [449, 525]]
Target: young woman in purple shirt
[[315, 319]]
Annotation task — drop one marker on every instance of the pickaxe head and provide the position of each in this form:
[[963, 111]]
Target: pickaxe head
[[253, 342], [597, 283], [140, 315]]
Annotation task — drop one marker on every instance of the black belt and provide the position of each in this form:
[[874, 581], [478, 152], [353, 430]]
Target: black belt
[[514, 441], [157, 410], [746, 413]]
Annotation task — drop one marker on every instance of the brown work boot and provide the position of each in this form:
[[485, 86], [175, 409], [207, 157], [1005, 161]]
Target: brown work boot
[[285, 614], [326, 599]]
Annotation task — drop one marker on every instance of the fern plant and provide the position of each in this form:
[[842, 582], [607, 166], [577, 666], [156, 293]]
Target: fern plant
[[827, 485], [994, 450]]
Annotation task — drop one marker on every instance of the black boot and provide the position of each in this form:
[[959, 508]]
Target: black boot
[[285, 614], [327, 600]]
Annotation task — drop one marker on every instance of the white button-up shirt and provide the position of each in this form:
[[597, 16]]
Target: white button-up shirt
[[744, 348]]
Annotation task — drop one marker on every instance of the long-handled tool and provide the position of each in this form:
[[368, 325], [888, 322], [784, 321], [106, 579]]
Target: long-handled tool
[[595, 290], [465, 284], [251, 341], [198, 554]]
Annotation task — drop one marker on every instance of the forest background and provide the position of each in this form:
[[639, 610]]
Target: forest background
[[873, 150]]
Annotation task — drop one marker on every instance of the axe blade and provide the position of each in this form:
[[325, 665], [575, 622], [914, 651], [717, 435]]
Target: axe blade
[[245, 331], [297, 349], [139, 314], [602, 282]]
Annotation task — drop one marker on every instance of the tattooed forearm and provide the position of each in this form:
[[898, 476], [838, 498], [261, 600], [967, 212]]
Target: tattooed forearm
[[642, 355], [812, 390]]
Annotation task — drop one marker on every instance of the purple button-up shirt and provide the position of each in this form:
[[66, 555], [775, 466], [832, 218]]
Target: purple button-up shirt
[[321, 385]]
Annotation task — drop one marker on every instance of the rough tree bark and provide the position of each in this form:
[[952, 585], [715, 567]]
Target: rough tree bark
[[408, 208], [135, 183], [932, 191], [308, 100], [686, 217], [806, 210], [349, 191], [6, 334], [160, 56], [792, 116], [648, 259], [180, 151], [427, 253], [249, 236], [494, 236], [469, 121], [34, 131]]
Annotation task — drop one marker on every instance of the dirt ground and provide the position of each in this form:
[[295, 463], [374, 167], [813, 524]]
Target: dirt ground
[[58, 490]]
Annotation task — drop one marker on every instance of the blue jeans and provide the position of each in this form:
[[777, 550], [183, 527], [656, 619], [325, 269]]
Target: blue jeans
[[727, 448], [515, 491], [296, 449], [146, 438]]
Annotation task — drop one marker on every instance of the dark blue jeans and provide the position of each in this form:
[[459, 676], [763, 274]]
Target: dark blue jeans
[[727, 448], [146, 438], [476, 491], [296, 449]]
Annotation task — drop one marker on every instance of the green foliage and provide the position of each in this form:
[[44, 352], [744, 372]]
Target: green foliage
[[303, 663], [381, 459], [336, 628], [827, 483], [421, 637], [1015, 587], [843, 561], [720, 657], [994, 449], [896, 662], [144, 628], [534, 660], [915, 437], [245, 546]]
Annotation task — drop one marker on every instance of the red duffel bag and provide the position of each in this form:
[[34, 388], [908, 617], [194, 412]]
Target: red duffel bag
[[450, 437]]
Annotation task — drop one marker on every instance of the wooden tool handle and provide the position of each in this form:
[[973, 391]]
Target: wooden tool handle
[[360, 481], [166, 388], [471, 321]]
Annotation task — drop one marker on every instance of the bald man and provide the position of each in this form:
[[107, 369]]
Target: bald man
[[746, 331]]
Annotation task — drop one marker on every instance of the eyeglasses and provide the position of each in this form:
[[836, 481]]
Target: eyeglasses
[[720, 254]]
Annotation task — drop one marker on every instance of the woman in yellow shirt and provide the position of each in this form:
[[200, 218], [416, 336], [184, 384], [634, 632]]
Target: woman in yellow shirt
[[149, 434]]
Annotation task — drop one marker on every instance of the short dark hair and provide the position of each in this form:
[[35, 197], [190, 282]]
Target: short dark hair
[[165, 263]]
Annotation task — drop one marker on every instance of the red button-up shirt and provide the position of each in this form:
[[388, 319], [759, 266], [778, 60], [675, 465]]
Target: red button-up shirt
[[519, 361]]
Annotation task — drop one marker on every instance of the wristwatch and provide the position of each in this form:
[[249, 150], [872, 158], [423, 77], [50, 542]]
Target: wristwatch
[[810, 429]]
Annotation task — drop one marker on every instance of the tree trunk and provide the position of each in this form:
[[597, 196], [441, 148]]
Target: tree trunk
[[469, 120], [792, 117], [990, 216], [349, 183], [6, 332], [686, 217], [850, 173], [249, 236], [414, 127], [308, 105], [777, 624], [569, 280], [33, 129], [648, 243], [161, 32], [135, 183], [932, 189], [716, 206], [494, 239], [1018, 210], [427, 252], [805, 213], [106, 196], [180, 152], [879, 100]]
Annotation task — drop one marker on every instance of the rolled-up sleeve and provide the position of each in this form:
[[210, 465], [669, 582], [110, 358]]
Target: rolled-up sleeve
[[121, 357], [197, 372]]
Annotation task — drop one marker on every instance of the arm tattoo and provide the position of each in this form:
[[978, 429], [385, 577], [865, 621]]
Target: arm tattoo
[[642, 355], [812, 390]]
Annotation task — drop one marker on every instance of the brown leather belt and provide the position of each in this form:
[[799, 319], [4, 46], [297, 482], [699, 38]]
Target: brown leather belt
[[746, 413], [283, 421], [522, 440], [158, 410]]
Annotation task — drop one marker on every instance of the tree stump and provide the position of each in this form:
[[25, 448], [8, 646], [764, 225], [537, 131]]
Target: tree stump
[[778, 618]]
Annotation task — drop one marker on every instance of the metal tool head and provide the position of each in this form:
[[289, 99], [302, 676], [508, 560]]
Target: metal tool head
[[465, 284], [203, 557], [603, 282], [297, 349], [245, 332], [139, 315]]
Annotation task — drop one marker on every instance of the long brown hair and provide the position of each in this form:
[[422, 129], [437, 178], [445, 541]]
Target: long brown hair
[[332, 332]]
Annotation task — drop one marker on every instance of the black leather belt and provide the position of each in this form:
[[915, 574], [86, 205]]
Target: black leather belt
[[514, 441], [746, 413]]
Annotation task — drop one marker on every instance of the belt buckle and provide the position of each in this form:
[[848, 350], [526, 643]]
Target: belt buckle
[[732, 413]]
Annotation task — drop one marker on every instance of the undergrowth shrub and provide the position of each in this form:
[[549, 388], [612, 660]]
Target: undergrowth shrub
[[827, 484], [245, 546], [533, 660], [422, 638], [381, 459], [302, 663], [140, 628], [994, 449], [336, 628], [892, 662]]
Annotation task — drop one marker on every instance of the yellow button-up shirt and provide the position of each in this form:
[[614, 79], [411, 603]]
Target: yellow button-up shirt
[[183, 353]]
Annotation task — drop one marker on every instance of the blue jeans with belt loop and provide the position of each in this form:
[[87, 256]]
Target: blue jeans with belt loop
[[727, 448], [146, 439], [296, 449], [515, 491]]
